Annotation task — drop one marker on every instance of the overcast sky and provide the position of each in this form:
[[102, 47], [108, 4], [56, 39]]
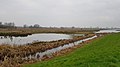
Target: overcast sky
[[80, 13]]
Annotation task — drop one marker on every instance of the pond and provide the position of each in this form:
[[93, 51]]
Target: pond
[[34, 38]]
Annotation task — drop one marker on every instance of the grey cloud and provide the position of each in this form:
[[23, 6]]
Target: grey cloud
[[80, 13]]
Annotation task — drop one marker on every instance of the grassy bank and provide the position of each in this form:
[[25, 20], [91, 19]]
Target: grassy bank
[[103, 52]]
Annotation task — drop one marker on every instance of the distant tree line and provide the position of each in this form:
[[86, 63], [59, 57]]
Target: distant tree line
[[7, 25], [32, 26], [12, 25]]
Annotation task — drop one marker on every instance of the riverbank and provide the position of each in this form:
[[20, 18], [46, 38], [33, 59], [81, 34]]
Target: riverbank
[[59, 52], [16, 53], [102, 52]]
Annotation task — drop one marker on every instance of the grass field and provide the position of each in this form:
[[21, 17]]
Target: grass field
[[103, 52]]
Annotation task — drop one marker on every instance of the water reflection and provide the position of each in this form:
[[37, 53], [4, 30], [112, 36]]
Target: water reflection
[[33, 38]]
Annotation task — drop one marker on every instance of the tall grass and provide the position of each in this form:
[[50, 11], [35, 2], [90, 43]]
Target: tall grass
[[27, 31]]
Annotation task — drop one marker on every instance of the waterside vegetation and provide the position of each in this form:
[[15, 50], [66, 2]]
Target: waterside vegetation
[[8, 53]]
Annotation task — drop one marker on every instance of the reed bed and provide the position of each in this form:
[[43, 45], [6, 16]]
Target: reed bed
[[28, 31], [16, 34]]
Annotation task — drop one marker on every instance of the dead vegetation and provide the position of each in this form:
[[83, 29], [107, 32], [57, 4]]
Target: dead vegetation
[[29, 31]]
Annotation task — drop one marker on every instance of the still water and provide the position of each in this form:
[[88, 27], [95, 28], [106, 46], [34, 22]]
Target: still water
[[33, 38], [108, 31]]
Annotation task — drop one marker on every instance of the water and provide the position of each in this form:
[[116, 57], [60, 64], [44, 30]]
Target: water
[[48, 53], [33, 38], [107, 31]]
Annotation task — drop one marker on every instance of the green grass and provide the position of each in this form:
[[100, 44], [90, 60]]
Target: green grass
[[103, 52]]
